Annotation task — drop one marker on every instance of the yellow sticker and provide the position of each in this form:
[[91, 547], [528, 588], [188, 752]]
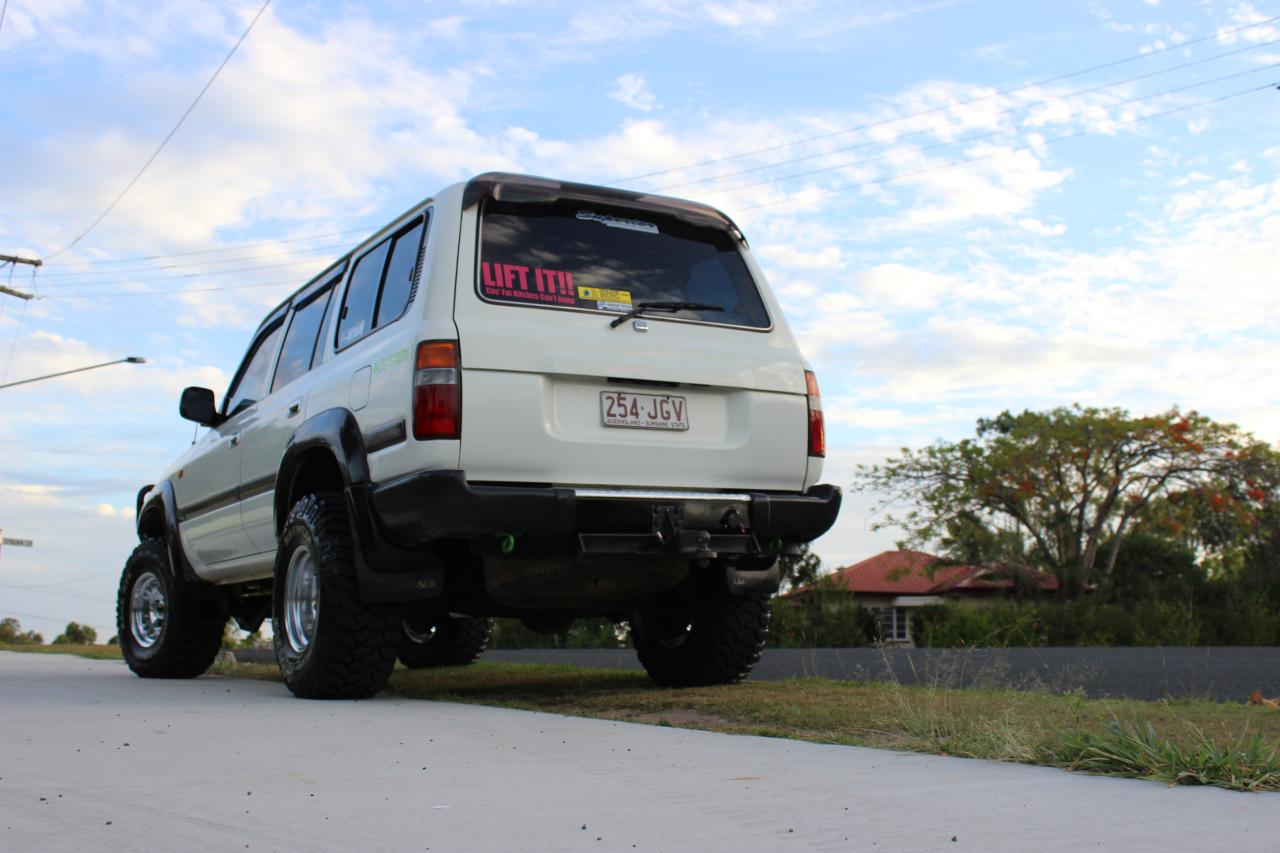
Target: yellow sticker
[[599, 294]]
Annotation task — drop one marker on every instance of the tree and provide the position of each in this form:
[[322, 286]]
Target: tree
[[801, 570], [11, 632], [1059, 490], [76, 634]]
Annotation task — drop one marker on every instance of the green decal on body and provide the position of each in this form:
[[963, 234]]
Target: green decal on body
[[389, 361]]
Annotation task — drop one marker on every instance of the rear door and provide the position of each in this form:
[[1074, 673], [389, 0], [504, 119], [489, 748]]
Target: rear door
[[277, 416], [704, 388]]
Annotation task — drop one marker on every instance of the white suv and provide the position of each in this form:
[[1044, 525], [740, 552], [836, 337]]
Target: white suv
[[522, 398]]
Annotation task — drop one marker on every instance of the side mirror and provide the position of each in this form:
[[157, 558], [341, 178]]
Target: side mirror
[[197, 405]]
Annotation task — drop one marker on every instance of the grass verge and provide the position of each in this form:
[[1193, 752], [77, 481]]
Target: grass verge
[[82, 650], [1175, 741]]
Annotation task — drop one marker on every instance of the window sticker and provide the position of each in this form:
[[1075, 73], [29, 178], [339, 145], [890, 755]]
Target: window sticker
[[606, 300], [351, 333], [527, 284], [618, 222]]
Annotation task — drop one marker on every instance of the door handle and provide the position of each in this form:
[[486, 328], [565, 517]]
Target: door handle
[[235, 440]]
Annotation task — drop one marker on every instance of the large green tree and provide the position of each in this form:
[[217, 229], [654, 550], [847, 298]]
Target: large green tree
[[11, 632], [1059, 490], [76, 634]]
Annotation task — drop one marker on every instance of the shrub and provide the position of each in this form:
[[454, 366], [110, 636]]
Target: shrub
[[821, 619], [11, 632], [76, 634], [595, 633]]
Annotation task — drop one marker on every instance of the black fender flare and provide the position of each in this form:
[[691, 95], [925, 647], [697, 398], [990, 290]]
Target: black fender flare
[[385, 572], [160, 498], [334, 430]]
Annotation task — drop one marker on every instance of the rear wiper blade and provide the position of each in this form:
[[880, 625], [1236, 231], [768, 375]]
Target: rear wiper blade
[[672, 307]]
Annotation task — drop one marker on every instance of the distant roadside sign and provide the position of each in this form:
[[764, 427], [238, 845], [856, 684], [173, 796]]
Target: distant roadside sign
[[21, 543]]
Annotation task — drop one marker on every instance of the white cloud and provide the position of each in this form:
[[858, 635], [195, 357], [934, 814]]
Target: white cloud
[[1035, 226], [744, 13], [632, 91], [902, 286]]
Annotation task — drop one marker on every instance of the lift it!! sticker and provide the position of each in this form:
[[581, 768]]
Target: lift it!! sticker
[[516, 282]]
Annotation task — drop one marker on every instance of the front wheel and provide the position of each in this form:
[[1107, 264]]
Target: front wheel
[[444, 641], [164, 632], [329, 644], [708, 637]]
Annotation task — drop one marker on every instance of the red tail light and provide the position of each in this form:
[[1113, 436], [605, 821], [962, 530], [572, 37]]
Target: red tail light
[[817, 430], [437, 391]]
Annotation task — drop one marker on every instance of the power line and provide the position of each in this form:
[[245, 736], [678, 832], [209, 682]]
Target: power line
[[1217, 35], [113, 293], [57, 583], [233, 248], [713, 161], [1001, 153], [796, 197], [1029, 105], [985, 135], [62, 594], [880, 123], [316, 260], [17, 333], [33, 616], [170, 135], [3, 9], [160, 267]]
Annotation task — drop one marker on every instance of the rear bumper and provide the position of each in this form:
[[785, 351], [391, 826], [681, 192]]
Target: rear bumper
[[420, 508]]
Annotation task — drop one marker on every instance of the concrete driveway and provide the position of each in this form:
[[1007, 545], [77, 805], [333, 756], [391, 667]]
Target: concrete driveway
[[92, 758]]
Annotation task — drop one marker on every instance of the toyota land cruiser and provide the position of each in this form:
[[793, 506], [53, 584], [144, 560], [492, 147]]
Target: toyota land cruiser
[[522, 398]]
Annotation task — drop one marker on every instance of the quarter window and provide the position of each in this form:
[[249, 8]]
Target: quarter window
[[356, 319], [382, 284], [398, 285]]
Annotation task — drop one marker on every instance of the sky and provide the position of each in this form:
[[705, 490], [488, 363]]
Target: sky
[[964, 206]]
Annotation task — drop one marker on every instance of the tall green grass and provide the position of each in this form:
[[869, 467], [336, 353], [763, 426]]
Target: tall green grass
[[1247, 762]]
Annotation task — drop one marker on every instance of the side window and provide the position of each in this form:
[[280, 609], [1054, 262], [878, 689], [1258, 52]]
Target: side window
[[251, 385], [398, 283], [356, 319], [300, 340]]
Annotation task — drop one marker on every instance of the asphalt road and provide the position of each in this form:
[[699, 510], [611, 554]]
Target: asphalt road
[[92, 758], [1225, 674]]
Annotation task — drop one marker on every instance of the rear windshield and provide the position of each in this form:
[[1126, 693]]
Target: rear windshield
[[592, 257]]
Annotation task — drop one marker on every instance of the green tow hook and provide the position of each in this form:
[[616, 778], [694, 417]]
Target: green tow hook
[[506, 543]]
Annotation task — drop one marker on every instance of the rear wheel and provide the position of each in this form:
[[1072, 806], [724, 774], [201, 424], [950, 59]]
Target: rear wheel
[[706, 637], [164, 632], [329, 644], [444, 641]]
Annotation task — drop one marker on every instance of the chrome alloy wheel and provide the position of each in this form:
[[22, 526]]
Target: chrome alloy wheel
[[148, 609], [302, 600], [420, 637]]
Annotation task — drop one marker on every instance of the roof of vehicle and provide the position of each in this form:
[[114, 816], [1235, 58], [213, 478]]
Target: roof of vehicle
[[506, 186], [510, 186]]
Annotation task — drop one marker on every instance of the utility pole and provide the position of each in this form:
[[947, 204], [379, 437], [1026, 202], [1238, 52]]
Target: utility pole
[[14, 259]]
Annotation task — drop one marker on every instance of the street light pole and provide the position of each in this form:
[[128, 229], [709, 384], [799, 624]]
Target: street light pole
[[133, 359]]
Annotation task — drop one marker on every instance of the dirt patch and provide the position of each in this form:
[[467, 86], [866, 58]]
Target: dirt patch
[[683, 718]]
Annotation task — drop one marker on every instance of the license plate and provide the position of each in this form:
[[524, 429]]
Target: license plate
[[643, 411]]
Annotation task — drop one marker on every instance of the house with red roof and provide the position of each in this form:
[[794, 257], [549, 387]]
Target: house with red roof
[[893, 583]]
